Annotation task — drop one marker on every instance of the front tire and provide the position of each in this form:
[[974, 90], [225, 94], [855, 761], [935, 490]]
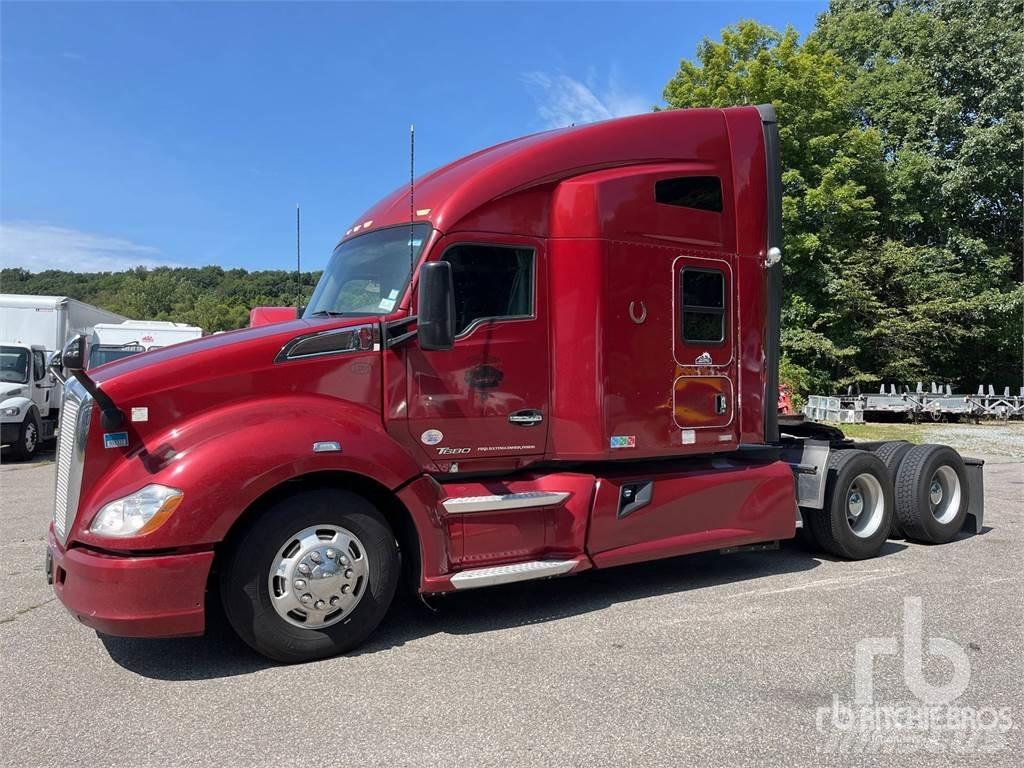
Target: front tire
[[312, 577], [855, 521], [27, 444]]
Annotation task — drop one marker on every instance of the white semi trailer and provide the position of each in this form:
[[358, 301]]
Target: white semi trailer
[[112, 341], [31, 329]]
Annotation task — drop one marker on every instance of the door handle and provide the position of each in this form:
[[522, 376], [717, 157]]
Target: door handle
[[526, 418], [720, 404]]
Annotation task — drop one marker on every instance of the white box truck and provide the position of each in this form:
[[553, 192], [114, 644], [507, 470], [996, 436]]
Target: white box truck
[[31, 329], [112, 341]]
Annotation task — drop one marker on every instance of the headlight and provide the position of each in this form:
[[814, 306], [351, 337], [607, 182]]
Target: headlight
[[141, 512], [10, 411]]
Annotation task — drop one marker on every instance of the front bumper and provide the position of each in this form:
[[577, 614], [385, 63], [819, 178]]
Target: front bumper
[[10, 431], [151, 596]]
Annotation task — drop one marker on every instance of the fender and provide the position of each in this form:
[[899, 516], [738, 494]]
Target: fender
[[227, 458], [20, 402]]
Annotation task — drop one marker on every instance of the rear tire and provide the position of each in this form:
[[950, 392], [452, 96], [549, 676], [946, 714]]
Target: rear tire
[[931, 494], [855, 521], [892, 455], [290, 613]]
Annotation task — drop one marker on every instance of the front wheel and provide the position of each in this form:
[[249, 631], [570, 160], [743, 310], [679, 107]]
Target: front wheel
[[312, 577], [27, 444]]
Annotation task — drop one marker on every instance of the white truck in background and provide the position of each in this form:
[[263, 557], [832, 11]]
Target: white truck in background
[[32, 328], [112, 341]]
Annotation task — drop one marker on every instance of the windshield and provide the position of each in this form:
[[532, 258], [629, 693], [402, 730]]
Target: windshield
[[367, 275], [103, 354], [14, 365]]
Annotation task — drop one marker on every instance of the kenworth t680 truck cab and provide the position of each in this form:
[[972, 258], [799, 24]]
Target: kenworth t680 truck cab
[[556, 354]]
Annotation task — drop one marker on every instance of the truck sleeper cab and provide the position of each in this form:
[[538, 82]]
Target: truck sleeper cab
[[567, 359]]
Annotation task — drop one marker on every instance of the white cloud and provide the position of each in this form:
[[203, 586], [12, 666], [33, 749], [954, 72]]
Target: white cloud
[[563, 100], [36, 246]]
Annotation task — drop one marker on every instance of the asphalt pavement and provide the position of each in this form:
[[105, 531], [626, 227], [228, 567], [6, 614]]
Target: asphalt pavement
[[716, 660]]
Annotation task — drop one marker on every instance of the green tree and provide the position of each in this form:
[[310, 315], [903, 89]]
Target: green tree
[[883, 279], [210, 297]]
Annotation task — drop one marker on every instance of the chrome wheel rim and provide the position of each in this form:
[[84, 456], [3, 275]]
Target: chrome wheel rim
[[318, 576], [865, 505], [944, 494], [30, 437]]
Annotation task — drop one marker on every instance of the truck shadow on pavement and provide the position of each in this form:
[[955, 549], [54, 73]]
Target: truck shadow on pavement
[[44, 455], [219, 653]]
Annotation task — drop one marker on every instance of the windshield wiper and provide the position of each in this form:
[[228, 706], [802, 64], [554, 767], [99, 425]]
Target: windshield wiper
[[328, 313]]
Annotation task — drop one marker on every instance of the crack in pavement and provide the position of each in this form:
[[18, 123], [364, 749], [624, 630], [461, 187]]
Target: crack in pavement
[[23, 611]]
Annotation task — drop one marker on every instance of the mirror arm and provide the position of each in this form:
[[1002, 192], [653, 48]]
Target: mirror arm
[[111, 417], [390, 342]]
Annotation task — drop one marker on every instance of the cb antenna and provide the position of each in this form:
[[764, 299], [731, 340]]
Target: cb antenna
[[412, 205]]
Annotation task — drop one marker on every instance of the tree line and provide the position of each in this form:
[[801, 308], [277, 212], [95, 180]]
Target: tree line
[[213, 298], [902, 138]]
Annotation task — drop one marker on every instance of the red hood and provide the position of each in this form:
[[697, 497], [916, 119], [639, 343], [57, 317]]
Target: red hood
[[220, 356]]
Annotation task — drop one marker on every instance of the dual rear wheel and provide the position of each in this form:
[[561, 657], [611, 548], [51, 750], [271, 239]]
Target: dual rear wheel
[[919, 490]]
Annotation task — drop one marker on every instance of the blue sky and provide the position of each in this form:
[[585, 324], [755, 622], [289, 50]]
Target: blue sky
[[143, 133]]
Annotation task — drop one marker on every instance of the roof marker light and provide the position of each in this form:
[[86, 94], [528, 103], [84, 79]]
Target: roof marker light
[[366, 224], [423, 212]]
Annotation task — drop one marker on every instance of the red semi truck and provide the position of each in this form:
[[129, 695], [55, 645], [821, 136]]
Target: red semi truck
[[560, 354]]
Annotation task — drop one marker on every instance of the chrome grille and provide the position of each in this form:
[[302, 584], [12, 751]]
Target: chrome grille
[[74, 425]]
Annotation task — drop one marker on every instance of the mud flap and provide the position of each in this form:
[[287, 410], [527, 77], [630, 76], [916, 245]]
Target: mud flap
[[975, 519]]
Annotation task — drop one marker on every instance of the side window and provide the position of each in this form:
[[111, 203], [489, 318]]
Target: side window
[[38, 365], [490, 282], [701, 192], [703, 306]]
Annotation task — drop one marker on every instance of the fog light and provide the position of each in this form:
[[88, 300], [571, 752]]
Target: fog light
[[140, 513]]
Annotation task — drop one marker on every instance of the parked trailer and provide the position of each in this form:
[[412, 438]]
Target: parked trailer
[[567, 360], [32, 328], [938, 404], [113, 341]]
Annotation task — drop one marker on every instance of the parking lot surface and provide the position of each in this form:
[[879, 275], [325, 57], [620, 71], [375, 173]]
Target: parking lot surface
[[742, 659]]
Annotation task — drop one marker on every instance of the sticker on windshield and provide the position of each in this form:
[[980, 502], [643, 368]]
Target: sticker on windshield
[[432, 437], [387, 304], [394, 294]]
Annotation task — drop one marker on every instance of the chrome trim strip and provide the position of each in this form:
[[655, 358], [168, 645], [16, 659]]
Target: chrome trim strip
[[504, 502], [287, 352], [507, 574]]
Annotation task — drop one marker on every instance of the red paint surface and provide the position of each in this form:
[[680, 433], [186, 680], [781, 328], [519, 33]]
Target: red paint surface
[[227, 423]]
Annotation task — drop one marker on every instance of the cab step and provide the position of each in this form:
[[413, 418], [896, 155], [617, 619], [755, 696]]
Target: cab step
[[507, 574]]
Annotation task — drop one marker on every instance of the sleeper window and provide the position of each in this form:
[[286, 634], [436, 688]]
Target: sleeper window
[[491, 282], [701, 192], [703, 306]]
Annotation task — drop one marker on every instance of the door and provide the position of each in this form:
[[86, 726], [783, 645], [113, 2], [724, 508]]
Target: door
[[42, 385], [704, 393], [485, 400]]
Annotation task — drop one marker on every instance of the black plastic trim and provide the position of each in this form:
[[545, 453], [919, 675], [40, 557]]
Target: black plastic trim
[[773, 319]]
